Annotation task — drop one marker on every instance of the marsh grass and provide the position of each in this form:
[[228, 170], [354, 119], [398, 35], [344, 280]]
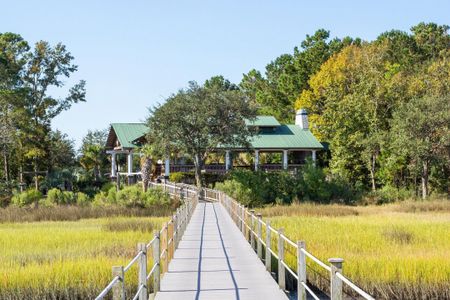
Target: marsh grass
[[132, 224], [390, 253], [436, 205], [14, 214], [309, 209], [69, 259], [398, 235]]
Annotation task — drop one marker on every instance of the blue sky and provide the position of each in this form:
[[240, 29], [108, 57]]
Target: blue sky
[[134, 54]]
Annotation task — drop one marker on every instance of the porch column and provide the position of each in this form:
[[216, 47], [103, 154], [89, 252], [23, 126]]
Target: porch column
[[167, 167], [113, 165], [313, 155], [256, 160], [285, 159], [227, 160], [130, 168], [130, 163]]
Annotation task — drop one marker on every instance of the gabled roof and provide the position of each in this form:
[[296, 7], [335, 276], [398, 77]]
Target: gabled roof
[[127, 134], [263, 121]]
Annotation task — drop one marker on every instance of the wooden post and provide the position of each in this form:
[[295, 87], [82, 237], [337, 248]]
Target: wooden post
[[268, 254], [170, 243], [165, 248], [157, 262], [281, 270], [336, 282], [176, 221], [119, 288], [142, 271], [252, 227], [301, 270], [259, 233], [243, 220]]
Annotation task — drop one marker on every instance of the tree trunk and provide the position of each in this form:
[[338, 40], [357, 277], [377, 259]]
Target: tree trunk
[[425, 180], [96, 173], [36, 180], [198, 162], [6, 165], [372, 171], [21, 178], [146, 169]]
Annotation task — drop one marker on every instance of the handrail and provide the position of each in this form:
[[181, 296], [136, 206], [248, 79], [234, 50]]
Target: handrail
[[131, 263], [253, 227], [107, 288], [239, 213], [318, 261], [310, 291], [354, 287], [163, 244]]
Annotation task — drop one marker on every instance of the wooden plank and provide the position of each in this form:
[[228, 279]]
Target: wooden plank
[[214, 261]]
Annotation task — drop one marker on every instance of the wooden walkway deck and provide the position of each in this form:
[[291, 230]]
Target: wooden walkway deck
[[214, 261]]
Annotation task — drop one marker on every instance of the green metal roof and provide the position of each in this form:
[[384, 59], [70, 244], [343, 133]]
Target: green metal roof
[[128, 133], [263, 121], [282, 137], [286, 137]]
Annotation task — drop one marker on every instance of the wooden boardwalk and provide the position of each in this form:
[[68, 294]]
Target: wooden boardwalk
[[214, 261]]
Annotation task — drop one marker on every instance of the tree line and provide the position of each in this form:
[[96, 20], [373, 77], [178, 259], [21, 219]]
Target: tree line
[[381, 107], [32, 154]]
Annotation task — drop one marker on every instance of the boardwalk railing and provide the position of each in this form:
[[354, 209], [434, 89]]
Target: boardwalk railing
[[161, 247], [260, 233]]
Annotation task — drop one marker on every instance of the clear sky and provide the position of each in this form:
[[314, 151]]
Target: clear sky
[[133, 54]]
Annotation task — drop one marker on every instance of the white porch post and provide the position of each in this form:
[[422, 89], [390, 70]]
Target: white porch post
[[113, 165], [167, 167], [285, 159], [227, 160], [130, 163], [313, 155], [256, 160]]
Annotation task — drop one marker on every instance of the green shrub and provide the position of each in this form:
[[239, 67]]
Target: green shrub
[[55, 196], [69, 198], [82, 199], [176, 177], [236, 190], [131, 196], [26, 198], [100, 199], [108, 186], [388, 194], [111, 195]]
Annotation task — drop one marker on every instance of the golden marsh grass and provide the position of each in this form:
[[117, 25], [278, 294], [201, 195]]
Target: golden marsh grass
[[68, 260], [398, 251]]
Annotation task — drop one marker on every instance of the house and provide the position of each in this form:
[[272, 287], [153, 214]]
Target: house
[[293, 142]]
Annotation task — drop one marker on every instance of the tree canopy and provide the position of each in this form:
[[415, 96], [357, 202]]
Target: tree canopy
[[198, 119]]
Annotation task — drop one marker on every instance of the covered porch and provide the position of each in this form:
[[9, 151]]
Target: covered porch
[[291, 160]]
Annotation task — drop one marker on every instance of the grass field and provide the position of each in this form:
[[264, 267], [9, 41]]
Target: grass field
[[399, 251], [68, 259]]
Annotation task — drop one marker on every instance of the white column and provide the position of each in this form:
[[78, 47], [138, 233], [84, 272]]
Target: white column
[[256, 160], [313, 155], [130, 162], [167, 167], [285, 159], [113, 164], [227, 160]]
